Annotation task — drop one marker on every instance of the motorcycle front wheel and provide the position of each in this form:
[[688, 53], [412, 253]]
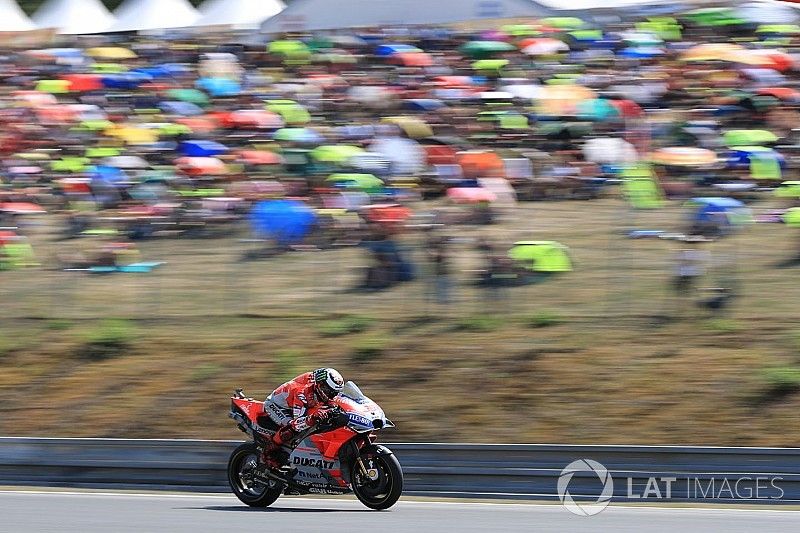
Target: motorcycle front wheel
[[382, 485], [242, 463]]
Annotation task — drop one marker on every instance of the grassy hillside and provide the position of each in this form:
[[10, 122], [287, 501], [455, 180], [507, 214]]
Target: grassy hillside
[[586, 358]]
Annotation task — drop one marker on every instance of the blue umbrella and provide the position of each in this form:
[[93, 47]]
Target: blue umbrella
[[385, 50], [219, 86], [710, 208], [424, 104], [106, 175], [181, 108], [202, 148], [125, 80], [285, 221], [739, 157], [642, 52]]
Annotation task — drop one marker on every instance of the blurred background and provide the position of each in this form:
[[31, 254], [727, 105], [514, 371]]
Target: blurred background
[[510, 223]]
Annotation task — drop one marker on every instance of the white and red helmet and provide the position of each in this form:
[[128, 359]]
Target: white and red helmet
[[328, 383]]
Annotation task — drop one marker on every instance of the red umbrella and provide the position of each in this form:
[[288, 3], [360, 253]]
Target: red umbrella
[[388, 213], [21, 208], [6, 237], [260, 157], [252, 118], [84, 82], [781, 93], [470, 195], [201, 166], [481, 164], [412, 59], [627, 108]]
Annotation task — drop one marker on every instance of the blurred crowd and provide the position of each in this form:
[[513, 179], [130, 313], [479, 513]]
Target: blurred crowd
[[349, 137]]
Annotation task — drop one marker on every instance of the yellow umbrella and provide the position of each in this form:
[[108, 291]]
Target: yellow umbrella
[[53, 86], [111, 52], [134, 135], [411, 126]]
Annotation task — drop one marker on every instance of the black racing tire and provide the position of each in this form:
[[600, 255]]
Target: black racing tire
[[253, 494], [383, 492]]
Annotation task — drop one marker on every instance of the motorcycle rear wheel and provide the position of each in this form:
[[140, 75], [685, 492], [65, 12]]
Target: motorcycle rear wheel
[[382, 491], [242, 462]]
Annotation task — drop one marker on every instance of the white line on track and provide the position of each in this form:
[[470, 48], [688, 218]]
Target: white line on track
[[159, 496]]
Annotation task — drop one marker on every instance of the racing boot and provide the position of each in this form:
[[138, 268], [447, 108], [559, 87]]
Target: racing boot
[[274, 457]]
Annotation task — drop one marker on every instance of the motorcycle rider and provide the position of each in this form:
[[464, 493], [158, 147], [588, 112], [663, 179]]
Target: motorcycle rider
[[289, 404]]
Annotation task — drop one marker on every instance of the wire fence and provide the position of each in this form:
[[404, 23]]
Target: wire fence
[[614, 277]]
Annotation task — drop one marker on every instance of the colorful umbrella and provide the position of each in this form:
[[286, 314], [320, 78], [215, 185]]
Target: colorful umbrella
[[748, 137], [337, 154], [53, 86], [364, 182], [192, 96], [298, 135], [596, 110], [413, 127], [21, 208], [259, 157], [391, 49], [285, 221], [202, 148], [486, 49], [289, 49], [683, 156], [111, 52], [219, 87], [185, 109], [413, 59], [490, 66], [253, 118], [563, 23], [544, 46], [201, 166], [291, 112]]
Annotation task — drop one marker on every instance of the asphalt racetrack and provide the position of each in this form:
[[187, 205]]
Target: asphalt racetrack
[[34, 511]]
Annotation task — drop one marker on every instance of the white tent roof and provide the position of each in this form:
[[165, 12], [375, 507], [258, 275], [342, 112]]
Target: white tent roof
[[140, 15], [12, 18], [332, 14], [74, 16], [238, 13]]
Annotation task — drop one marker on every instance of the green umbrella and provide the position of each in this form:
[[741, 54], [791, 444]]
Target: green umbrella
[[290, 49], [507, 120], [493, 66], [564, 23], [193, 96], [53, 86], [108, 68], [715, 16], [290, 111], [485, 49], [748, 137], [666, 28], [643, 192], [102, 151], [587, 35], [70, 164], [788, 189], [520, 30], [782, 29], [542, 256], [365, 182], [335, 153], [170, 129], [93, 125]]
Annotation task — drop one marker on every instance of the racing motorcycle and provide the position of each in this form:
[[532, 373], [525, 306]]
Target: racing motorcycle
[[337, 457]]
